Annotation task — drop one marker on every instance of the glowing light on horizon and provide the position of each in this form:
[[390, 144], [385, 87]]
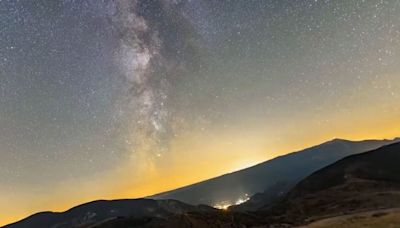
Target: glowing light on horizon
[[225, 204]]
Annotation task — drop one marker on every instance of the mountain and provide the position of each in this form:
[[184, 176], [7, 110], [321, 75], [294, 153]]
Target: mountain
[[362, 189], [364, 182], [360, 182], [215, 219], [275, 176], [97, 212]]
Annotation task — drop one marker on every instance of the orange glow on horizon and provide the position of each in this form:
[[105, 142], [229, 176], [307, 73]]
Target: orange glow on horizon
[[175, 176]]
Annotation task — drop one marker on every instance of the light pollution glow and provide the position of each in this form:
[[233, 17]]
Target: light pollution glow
[[224, 205], [107, 187]]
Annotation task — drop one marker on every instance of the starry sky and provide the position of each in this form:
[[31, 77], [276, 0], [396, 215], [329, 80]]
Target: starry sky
[[104, 99]]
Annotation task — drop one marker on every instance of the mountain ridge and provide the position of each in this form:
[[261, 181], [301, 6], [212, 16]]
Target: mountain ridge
[[139, 209], [237, 185], [99, 210], [362, 192], [362, 182]]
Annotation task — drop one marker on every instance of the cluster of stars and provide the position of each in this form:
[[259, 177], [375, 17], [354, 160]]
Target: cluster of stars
[[89, 88]]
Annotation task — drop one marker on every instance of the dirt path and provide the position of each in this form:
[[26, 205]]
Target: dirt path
[[377, 218]]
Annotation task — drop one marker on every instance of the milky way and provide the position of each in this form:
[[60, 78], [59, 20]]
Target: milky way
[[151, 57]]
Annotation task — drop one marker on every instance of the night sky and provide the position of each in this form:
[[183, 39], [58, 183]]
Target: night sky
[[103, 99]]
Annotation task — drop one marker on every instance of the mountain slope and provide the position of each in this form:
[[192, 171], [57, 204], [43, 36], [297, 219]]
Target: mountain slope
[[362, 182], [95, 212], [278, 174], [358, 183], [365, 184]]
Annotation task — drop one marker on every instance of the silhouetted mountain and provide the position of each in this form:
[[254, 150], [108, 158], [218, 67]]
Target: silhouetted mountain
[[89, 214], [275, 177], [358, 183], [362, 182]]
